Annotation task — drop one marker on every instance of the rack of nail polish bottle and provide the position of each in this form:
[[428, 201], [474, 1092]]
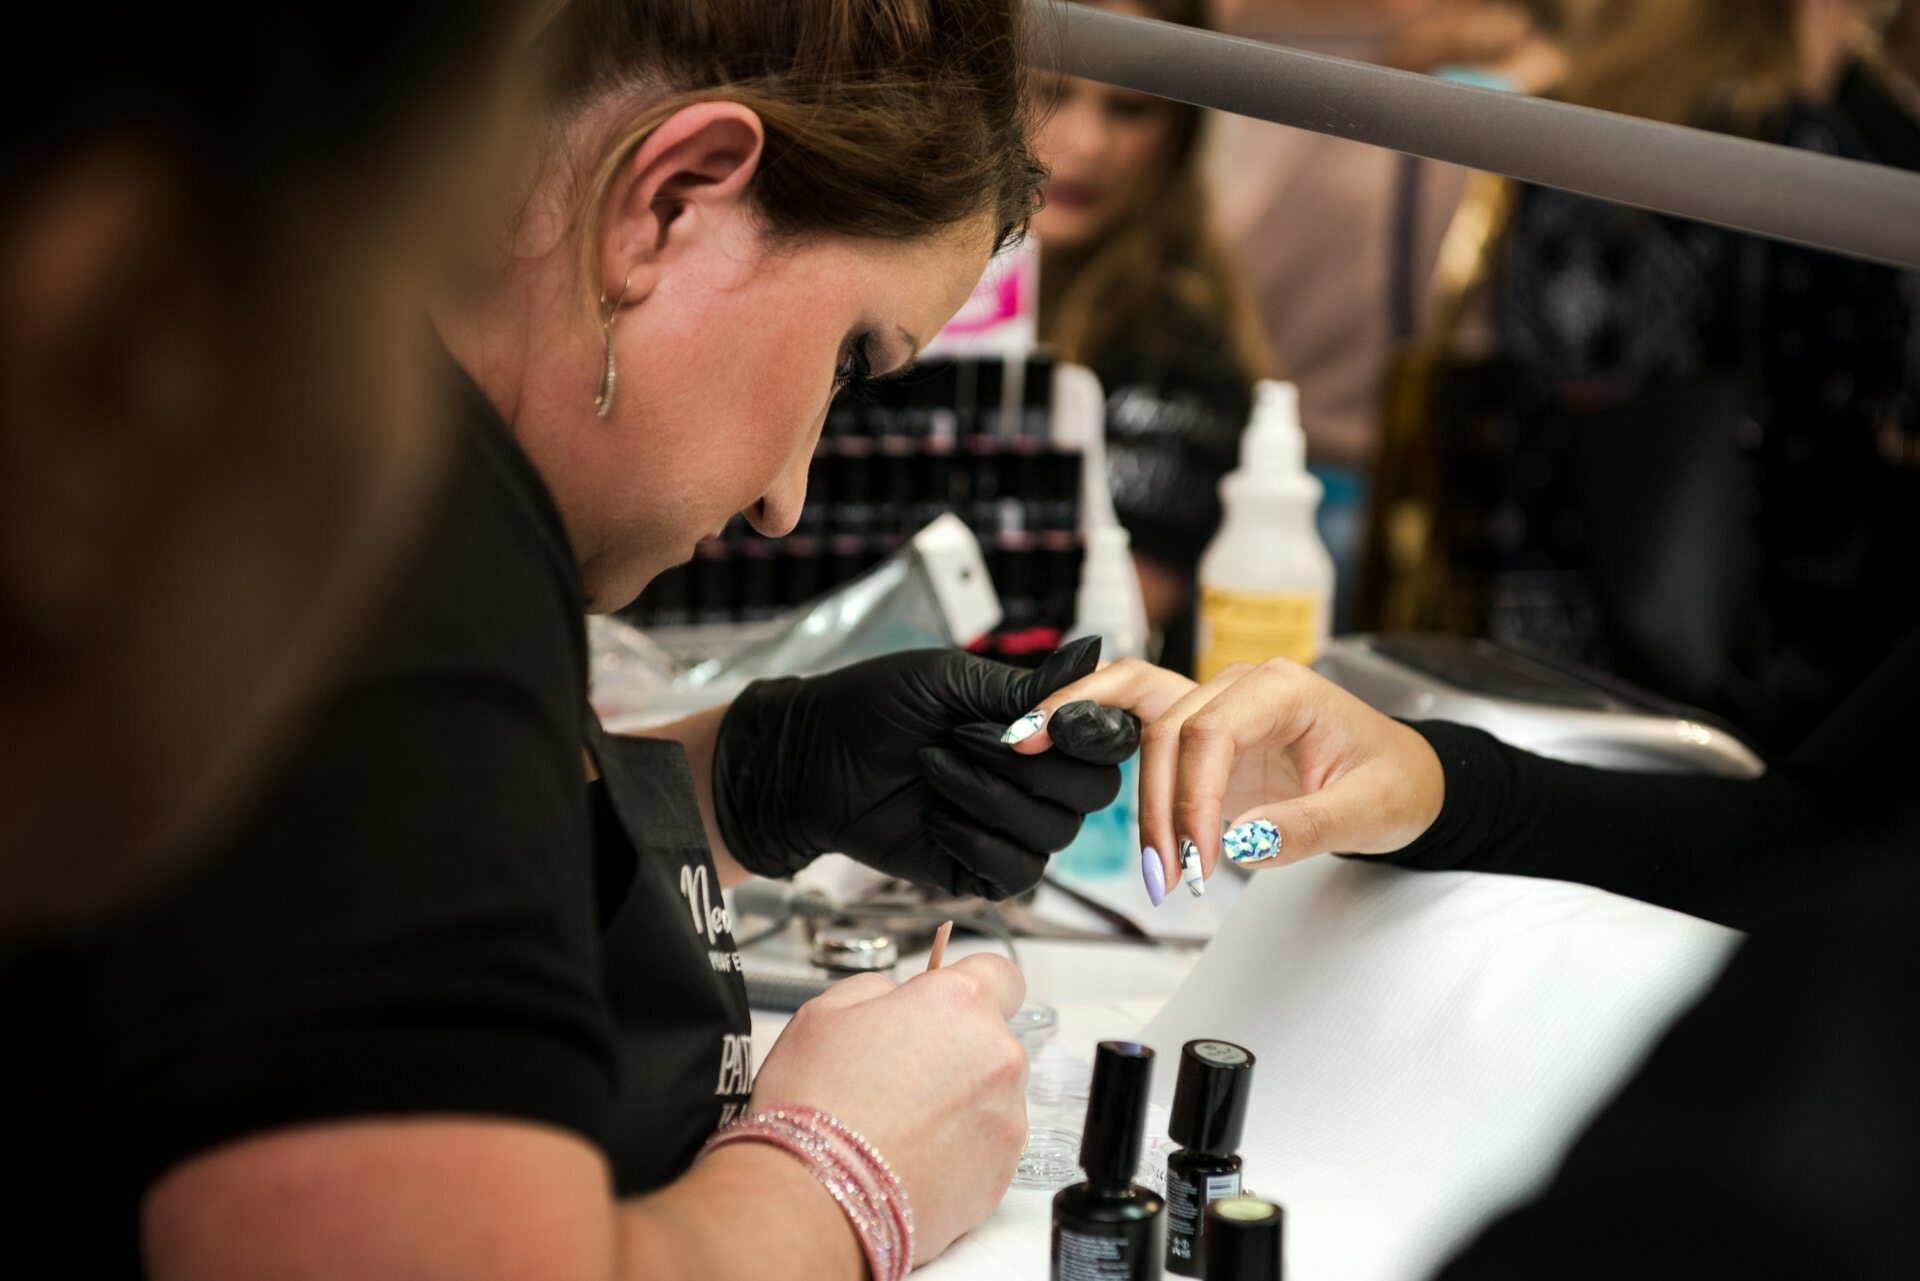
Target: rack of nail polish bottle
[[990, 439]]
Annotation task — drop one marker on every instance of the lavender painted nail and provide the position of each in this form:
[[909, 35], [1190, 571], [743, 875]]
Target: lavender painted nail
[[1154, 875]]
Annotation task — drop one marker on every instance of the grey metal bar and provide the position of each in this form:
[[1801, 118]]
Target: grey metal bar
[[1863, 211]]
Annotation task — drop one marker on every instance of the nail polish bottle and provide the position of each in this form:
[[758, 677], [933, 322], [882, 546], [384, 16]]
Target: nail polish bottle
[[1245, 1240], [1209, 1112], [1109, 1228]]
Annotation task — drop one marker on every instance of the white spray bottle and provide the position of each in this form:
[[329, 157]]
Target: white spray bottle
[[1266, 580]]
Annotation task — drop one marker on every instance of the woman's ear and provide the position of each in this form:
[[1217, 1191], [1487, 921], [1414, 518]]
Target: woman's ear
[[684, 183]]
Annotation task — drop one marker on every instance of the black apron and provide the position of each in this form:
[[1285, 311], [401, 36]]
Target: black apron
[[678, 1003]]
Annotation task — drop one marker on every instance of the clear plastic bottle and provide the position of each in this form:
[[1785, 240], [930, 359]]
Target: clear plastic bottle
[[1266, 580], [1109, 606]]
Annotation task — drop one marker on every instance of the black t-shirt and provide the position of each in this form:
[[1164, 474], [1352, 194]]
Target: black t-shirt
[[1694, 488], [427, 911], [672, 980], [1775, 1131]]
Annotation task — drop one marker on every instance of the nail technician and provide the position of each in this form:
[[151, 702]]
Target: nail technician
[[443, 1007], [1789, 1088]]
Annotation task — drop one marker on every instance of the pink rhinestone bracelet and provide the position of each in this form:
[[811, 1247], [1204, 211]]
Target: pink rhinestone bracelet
[[852, 1171]]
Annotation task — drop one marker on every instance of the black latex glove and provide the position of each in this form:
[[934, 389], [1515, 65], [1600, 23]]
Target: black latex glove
[[898, 763]]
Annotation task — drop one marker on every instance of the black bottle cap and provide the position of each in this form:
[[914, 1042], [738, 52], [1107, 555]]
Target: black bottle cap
[[1116, 1113], [1243, 1240], [1210, 1098]]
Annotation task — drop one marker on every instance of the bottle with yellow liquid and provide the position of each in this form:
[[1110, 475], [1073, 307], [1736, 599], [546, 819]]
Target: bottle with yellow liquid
[[1266, 581]]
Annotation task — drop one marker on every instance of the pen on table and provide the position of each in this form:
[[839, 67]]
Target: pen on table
[[940, 937]]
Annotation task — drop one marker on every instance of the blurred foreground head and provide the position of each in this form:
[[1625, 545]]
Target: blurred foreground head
[[215, 416]]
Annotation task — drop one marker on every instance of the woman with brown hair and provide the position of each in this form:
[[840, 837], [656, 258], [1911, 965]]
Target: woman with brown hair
[[441, 1006], [1135, 285]]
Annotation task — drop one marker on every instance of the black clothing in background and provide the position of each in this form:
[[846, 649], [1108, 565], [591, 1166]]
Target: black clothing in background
[[1773, 1134], [1177, 401], [1890, 131], [409, 920], [1696, 494], [1775, 1131]]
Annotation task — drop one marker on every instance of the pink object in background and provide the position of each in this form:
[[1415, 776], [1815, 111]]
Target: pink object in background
[[1002, 314]]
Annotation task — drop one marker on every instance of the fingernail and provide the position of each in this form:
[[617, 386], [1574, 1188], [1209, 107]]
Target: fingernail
[[1024, 728], [1154, 875], [1190, 869], [1253, 842]]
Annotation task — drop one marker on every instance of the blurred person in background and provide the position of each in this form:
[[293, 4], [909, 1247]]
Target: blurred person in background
[[1135, 285], [1698, 492], [1513, 45], [213, 423], [1903, 41], [1337, 241], [1878, 90]]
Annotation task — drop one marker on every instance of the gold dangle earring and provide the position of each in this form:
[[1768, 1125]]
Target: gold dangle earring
[[603, 399]]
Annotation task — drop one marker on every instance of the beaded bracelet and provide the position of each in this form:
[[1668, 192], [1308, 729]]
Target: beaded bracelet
[[894, 1193], [852, 1171]]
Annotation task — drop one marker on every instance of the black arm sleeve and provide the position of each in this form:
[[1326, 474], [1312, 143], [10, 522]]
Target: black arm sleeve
[[1726, 850], [1775, 1131]]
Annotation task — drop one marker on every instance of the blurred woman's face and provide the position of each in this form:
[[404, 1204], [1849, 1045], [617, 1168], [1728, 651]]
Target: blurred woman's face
[[1106, 149]]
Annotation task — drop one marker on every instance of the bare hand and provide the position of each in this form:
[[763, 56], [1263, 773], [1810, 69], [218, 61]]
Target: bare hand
[[928, 1072], [1301, 766]]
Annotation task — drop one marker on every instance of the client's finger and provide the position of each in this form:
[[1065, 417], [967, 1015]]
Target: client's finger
[[1066, 665], [1287, 831], [1160, 747], [1129, 684], [1268, 707], [1375, 807]]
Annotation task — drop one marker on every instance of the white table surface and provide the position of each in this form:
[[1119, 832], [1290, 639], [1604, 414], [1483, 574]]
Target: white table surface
[[1099, 992], [1432, 1043]]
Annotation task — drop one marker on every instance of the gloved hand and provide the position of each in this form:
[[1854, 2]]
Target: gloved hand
[[898, 762]]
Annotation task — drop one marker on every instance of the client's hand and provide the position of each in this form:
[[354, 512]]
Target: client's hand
[[1296, 764], [898, 762], [928, 1072]]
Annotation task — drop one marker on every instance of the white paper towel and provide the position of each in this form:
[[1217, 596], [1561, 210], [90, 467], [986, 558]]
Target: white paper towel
[[1429, 1044]]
